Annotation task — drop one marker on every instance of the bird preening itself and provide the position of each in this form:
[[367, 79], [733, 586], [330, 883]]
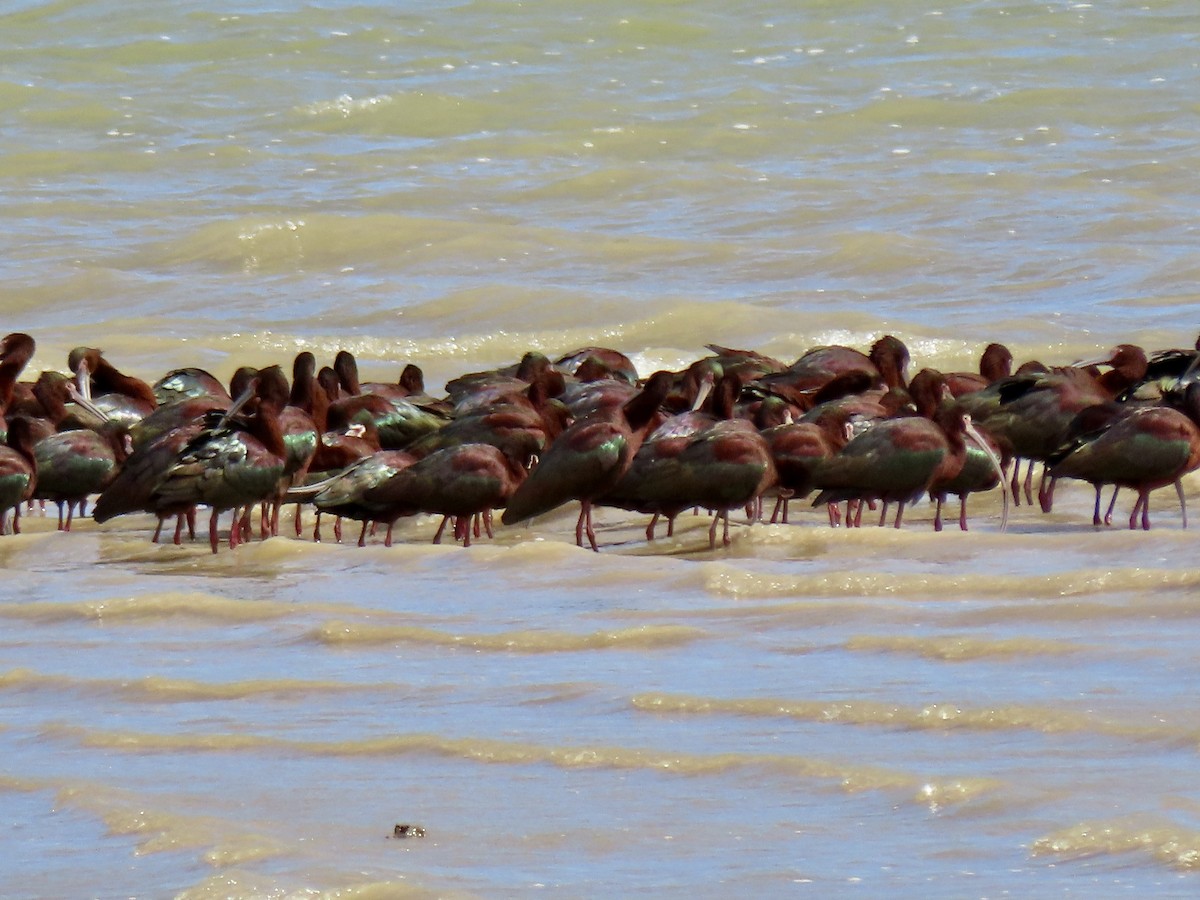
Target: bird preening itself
[[845, 429]]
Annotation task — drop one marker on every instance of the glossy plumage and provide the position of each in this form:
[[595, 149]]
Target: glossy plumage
[[344, 495], [1143, 449], [461, 483], [16, 349], [74, 465], [238, 463], [18, 472], [588, 460], [894, 461]]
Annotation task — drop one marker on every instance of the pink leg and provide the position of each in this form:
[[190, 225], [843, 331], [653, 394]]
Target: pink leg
[[1137, 508], [437, 538], [212, 531], [1046, 491], [585, 519], [1111, 505]]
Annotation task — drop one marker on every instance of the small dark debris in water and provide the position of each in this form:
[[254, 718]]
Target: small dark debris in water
[[408, 831]]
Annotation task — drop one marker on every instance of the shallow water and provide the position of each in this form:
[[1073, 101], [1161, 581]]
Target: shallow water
[[809, 711]]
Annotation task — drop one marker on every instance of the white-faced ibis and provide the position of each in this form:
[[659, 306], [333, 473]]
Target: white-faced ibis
[[981, 471], [593, 363], [748, 365], [75, 464], [336, 451], [479, 389], [505, 422], [464, 483], [651, 485], [1143, 449], [709, 460], [18, 472], [301, 422], [894, 461], [132, 490], [190, 383], [233, 466], [16, 349], [398, 420], [1030, 415], [1166, 371], [725, 467], [343, 494], [994, 364], [588, 459], [125, 399], [799, 449], [888, 359]]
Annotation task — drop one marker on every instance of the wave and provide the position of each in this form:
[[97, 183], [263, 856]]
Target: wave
[[640, 638], [1160, 840], [848, 777], [155, 689], [946, 716]]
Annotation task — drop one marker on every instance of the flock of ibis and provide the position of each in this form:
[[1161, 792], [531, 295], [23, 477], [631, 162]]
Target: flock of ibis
[[848, 428]]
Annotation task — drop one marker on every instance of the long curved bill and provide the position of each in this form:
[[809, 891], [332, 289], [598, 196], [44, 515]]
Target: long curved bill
[[86, 404], [242, 399], [973, 434]]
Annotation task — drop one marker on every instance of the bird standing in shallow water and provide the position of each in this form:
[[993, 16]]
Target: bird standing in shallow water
[[899, 459], [73, 465], [1145, 449], [15, 352], [465, 483], [234, 465], [588, 459], [18, 472], [343, 494]]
